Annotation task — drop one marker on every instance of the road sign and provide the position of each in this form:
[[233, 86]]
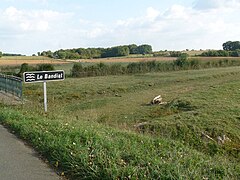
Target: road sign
[[42, 76]]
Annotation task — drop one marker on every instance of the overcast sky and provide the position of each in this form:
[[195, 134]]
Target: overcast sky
[[29, 26]]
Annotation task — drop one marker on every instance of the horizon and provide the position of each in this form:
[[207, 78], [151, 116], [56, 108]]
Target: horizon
[[168, 50], [32, 26]]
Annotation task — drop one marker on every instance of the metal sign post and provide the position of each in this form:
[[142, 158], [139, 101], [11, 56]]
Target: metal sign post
[[45, 95], [43, 76]]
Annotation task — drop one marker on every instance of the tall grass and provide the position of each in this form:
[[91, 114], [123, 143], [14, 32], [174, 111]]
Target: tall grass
[[93, 151], [102, 69]]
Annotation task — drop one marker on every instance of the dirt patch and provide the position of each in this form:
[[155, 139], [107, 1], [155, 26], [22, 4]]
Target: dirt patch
[[9, 99]]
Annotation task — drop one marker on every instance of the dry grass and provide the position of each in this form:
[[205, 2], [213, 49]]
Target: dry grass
[[125, 59], [18, 60], [215, 58]]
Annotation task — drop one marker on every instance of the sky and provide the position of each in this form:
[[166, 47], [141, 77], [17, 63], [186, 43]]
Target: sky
[[31, 26]]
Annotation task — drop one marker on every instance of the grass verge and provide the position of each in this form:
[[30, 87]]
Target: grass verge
[[92, 151]]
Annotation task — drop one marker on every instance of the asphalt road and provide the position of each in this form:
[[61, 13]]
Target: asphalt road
[[19, 162]]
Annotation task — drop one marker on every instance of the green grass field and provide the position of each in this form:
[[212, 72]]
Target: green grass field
[[93, 126]]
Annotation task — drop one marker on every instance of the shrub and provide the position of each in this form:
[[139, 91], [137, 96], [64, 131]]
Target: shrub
[[182, 60], [24, 68], [77, 70], [45, 67]]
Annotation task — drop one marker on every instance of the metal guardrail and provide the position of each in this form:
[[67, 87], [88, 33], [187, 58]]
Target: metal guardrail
[[11, 85]]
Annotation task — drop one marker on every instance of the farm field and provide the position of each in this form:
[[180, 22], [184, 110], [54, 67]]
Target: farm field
[[33, 60], [105, 128], [124, 59]]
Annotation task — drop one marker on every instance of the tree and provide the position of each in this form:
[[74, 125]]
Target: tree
[[175, 53], [89, 53], [1, 54], [231, 45], [144, 49], [214, 53], [133, 49], [235, 53], [61, 54], [121, 51]]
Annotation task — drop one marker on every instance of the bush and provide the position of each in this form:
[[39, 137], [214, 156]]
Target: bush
[[45, 67], [182, 63], [25, 68], [77, 69], [182, 60]]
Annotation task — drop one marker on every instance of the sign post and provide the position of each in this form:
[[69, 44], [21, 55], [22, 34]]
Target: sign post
[[45, 95], [43, 76]]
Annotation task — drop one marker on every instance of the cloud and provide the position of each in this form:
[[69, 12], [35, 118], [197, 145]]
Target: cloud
[[34, 20], [180, 27], [204, 25], [152, 13], [216, 4]]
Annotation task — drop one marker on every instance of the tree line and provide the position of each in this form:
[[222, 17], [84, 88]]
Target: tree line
[[221, 53], [90, 53], [230, 49], [11, 54]]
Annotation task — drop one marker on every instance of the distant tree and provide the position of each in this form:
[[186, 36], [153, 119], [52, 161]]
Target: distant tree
[[47, 54], [144, 49], [39, 54], [10, 54], [214, 53], [1, 54], [231, 45], [133, 49], [122, 51], [235, 53], [61, 54], [89, 53], [175, 53], [223, 53], [95, 52]]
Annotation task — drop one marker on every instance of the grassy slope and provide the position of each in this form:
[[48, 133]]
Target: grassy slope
[[89, 130]]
